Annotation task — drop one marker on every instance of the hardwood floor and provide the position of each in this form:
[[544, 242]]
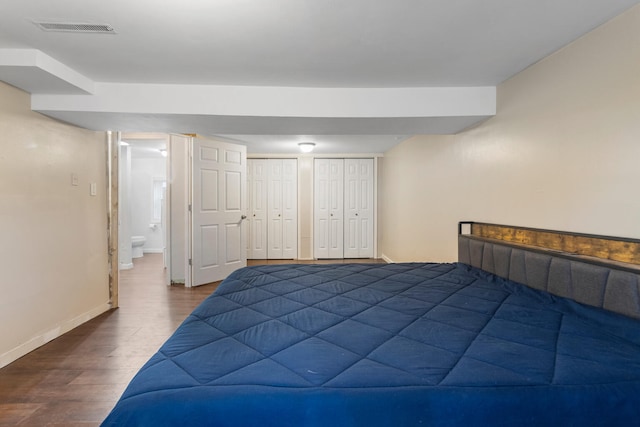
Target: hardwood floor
[[77, 378]]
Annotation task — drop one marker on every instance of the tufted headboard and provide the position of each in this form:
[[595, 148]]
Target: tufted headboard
[[563, 265]]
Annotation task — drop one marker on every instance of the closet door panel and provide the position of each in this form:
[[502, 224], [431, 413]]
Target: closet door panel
[[351, 197], [289, 196], [274, 203], [351, 238], [366, 210], [282, 207], [328, 208], [321, 200], [321, 224], [358, 187], [257, 185], [273, 209], [336, 208]]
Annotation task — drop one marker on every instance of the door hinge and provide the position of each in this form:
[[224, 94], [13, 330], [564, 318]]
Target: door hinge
[[190, 261], [189, 207]]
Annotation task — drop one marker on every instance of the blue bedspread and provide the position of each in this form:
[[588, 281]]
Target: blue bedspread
[[388, 345]]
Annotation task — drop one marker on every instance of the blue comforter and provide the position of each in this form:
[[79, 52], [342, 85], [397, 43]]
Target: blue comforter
[[388, 345]]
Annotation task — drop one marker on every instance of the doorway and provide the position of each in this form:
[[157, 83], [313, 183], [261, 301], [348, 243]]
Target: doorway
[[142, 199], [166, 201]]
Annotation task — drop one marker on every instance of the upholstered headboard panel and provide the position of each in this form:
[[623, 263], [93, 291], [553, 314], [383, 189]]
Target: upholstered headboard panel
[[610, 287]]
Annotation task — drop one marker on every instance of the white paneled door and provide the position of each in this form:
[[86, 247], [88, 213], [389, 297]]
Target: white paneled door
[[273, 209], [358, 208], [344, 208], [257, 221], [282, 207], [328, 208], [218, 208]]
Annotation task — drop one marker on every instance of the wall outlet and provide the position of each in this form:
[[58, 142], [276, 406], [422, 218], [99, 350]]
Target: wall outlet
[[93, 189]]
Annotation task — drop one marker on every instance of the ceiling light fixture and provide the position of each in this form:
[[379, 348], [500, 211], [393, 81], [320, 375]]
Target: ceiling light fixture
[[306, 147]]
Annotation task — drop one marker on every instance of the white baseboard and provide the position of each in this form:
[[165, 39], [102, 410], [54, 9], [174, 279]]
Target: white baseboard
[[387, 259], [126, 266], [51, 334], [153, 251]]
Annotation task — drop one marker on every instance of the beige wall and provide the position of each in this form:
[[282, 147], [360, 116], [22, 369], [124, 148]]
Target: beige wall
[[563, 152], [53, 244]]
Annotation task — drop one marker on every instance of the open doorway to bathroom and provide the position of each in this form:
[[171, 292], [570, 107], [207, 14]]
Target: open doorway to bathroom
[[142, 219]]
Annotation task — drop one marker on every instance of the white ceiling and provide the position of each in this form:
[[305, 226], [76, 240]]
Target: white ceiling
[[378, 53]]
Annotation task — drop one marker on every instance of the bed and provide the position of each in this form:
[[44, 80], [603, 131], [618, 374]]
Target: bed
[[512, 334]]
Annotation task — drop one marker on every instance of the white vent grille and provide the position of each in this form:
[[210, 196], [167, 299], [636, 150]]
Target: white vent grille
[[75, 27]]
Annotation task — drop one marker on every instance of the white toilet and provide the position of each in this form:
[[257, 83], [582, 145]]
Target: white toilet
[[137, 242]]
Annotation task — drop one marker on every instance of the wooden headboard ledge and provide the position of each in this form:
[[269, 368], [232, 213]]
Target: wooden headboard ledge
[[600, 271]]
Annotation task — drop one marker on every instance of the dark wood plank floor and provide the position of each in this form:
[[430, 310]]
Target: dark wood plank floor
[[76, 379]]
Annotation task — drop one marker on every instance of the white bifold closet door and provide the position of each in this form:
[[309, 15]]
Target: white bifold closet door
[[282, 208], [273, 209], [328, 184], [358, 208], [343, 208], [257, 189]]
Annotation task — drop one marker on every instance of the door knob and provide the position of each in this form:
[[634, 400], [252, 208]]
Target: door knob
[[243, 217]]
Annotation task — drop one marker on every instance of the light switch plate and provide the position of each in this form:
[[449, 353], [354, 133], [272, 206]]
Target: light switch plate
[[74, 179], [93, 189]]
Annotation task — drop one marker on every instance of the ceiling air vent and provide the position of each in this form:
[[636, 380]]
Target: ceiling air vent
[[75, 27]]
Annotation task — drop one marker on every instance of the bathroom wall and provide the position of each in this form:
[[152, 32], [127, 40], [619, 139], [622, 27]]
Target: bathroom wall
[[143, 173], [124, 210], [53, 244]]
